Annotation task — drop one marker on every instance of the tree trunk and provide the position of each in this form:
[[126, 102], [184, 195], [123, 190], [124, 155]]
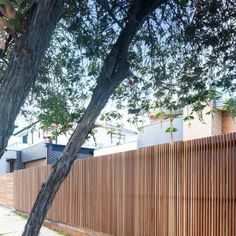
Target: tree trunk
[[115, 70], [24, 64]]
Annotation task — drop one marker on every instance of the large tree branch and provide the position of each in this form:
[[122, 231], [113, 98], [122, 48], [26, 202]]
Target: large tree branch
[[114, 71], [24, 64]]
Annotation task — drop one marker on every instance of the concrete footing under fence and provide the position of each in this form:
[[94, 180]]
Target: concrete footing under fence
[[73, 231]]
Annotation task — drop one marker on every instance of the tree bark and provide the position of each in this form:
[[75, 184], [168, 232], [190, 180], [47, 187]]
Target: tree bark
[[115, 70], [24, 64]]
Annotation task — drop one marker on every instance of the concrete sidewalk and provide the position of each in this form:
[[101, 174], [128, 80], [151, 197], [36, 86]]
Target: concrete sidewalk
[[13, 225]]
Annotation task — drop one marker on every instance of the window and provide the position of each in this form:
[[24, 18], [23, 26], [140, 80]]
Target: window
[[25, 138], [12, 166]]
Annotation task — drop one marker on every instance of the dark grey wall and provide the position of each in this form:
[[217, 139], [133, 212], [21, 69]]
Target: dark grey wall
[[55, 151]]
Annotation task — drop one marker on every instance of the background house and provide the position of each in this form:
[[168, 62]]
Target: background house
[[106, 135], [47, 153], [219, 122], [30, 146], [36, 155]]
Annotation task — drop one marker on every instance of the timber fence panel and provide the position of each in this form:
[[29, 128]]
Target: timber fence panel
[[179, 189], [6, 190]]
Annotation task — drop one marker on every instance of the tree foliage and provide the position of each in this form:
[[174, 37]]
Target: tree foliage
[[184, 54]]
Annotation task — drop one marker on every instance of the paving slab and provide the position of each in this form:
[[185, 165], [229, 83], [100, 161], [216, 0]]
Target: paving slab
[[13, 225]]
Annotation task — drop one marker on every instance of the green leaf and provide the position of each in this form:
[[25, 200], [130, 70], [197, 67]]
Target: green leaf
[[171, 130]]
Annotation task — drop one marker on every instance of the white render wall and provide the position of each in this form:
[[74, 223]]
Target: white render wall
[[115, 149], [155, 133], [212, 125], [4, 166]]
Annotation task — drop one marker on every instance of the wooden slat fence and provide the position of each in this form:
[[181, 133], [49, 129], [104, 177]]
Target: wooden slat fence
[[6, 189], [180, 189]]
